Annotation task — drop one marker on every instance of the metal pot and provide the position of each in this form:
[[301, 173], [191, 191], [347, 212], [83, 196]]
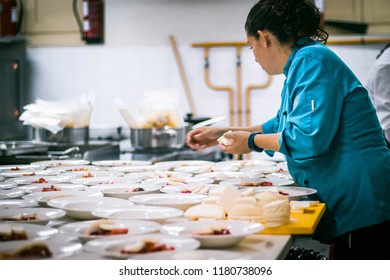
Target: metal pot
[[67, 135], [146, 138]]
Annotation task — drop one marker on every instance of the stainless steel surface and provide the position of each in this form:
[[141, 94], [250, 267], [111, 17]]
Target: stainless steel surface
[[10, 148], [146, 138], [67, 135]]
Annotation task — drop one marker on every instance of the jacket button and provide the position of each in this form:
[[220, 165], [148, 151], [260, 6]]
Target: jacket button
[[306, 182], [284, 113]]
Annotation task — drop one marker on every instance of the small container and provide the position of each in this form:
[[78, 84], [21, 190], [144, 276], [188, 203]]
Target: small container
[[67, 135]]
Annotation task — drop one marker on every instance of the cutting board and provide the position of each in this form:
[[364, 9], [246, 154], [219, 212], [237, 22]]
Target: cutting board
[[300, 223]]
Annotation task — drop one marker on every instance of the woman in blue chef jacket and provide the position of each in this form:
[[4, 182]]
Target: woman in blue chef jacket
[[326, 127]]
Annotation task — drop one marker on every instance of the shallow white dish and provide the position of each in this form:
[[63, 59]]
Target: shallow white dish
[[200, 254], [111, 246], [177, 163], [125, 192], [293, 193], [12, 193], [246, 163], [59, 246], [257, 182], [76, 168], [100, 181], [238, 231], [175, 200], [93, 174], [149, 213], [81, 207], [220, 176], [16, 203], [61, 162], [7, 185], [134, 168], [195, 169], [46, 187], [109, 163], [34, 232], [43, 214], [30, 172], [43, 197], [80, 229], [12, 167], [26, 180], [194, 189]]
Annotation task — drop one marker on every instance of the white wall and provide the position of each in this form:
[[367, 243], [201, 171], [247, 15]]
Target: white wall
[[137, 56]]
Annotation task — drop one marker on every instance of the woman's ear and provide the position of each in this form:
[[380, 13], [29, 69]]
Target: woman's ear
[[263, 36]]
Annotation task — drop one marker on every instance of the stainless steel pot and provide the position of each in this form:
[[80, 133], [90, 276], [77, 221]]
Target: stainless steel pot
[[146, 138], [67, 135]]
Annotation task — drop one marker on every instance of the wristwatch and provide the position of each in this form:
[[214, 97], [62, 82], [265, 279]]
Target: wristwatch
[[251, 143]]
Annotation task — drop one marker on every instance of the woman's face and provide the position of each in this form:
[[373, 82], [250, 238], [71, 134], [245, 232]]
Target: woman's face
[[268, 53]]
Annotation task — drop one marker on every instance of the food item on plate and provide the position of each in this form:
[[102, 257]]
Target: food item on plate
[[214, 230], [106, 228], [228, 198], [276, 213], [136, 190], [30, 251], [146, 245], [21, 217], [245, 212], [266, 197], [256, 184], [40, 181], [208, 211], [52, 188], [300, 206], [225, 141], [9, 232]]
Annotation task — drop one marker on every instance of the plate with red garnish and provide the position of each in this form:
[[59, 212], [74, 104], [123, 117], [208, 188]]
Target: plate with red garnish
[[214, 233]]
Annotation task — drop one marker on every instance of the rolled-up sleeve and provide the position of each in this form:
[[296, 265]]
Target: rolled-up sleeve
[[315, 99]]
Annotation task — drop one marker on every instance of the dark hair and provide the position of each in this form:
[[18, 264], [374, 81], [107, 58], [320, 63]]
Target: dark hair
[[382, 50], [287, 20]]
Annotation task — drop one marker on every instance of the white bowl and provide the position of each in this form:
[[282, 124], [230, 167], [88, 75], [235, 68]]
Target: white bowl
[[175, 200], [238, 231]]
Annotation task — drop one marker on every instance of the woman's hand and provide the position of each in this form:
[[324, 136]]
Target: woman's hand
[[204, 137], [239, 142]]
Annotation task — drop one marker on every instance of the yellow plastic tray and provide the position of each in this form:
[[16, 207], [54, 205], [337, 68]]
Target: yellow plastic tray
[[300, 223]]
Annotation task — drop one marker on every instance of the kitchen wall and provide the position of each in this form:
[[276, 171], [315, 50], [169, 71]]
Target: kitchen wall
[[137, 56]]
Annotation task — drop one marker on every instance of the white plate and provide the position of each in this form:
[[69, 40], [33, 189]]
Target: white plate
[[26, 180], [246, 163], [195, 169], [16, 203], [61, 162], [59, 246], [257, 182], [35, 172], [93, 174], [238, 231], [177, 163], [7, 185], [76, 168], [81, 207], [34, 232], [46, 187], [175, 200], [7, 168], [111, 246], [43, 214], [134, 168], [220, 176], [80, 229], [150, 213], [43, 197], [108, 163], [200, 254], [100, 181], [130, 190], [194, 189], [294, 193], [12, 193]]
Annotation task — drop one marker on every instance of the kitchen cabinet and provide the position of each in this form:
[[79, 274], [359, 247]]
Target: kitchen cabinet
[[50, 22], [373, 12]]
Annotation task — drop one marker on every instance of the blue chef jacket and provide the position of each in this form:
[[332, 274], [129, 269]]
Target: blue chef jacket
[[332, 140]]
